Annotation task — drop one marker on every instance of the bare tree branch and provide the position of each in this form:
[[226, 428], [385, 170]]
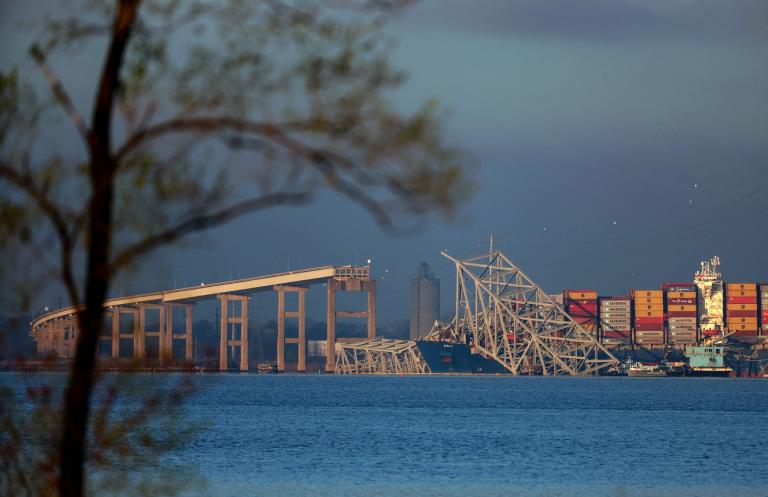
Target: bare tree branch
[[57, 218], [58, 90]]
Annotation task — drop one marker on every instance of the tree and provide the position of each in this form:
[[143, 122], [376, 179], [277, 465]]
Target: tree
[[203, 111]]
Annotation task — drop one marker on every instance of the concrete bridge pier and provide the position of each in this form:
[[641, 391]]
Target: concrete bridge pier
[[170, 336], [301, 316], [347, 285], [160, 333], [230, 338], [135, 335]]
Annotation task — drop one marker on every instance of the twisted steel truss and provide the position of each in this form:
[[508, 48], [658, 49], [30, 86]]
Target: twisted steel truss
[[380, 356], [507, 317]]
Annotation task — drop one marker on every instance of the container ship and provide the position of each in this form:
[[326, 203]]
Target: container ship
[[676, 315], [646, 325]]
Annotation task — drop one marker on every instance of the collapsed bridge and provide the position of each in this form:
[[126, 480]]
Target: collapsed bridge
[[503, 316]]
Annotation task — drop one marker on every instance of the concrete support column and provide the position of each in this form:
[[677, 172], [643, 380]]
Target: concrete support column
[[138, 333], [302, 366], [165, 339], [116, 333], [330, 338], [59, 327], [188, 334], [244, 352], [280, 330], [300, 315], [228, 337], [371, 286], [223, 332]]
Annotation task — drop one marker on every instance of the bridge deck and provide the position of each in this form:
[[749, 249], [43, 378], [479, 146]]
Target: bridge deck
[[205, 291]]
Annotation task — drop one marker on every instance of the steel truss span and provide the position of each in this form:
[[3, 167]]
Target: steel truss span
[[380, 356], [507, 317]]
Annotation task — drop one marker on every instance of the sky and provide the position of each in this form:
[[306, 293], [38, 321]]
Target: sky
[[614, 145]]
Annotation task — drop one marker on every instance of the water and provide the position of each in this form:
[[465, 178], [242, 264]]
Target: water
[[291, 435]]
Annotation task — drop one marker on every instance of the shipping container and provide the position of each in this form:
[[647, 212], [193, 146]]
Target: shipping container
[[742, 293], [740, 314], [582, 302], [746, 326], [683, 320], [647, 294], [649, 328], [742, 300], [742, 320], [682, 308], [681, 295], [616, 333], [741, 286], [741, 307], [649, 319], [581, 294], [681, 314], [681, 301]]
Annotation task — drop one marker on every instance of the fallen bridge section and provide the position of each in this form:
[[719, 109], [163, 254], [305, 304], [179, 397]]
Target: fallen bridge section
[[380, 356]]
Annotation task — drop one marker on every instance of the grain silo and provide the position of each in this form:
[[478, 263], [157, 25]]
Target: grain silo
[[425, 301]]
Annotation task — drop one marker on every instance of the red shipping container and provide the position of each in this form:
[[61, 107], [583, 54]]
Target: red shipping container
[[582, 302], [641, 320], [616, 334], [584, 305], [582, 313], [741, 314], [659, 329], [742, 300], [681, 301], [681, 314]]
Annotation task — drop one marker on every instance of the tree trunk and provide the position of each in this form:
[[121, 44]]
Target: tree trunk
[[102, 170]]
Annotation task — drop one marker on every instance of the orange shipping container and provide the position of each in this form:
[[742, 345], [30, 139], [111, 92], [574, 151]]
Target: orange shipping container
[[741, 307], [649, 314], [742, 320], [649, 300], [742, 293], [742, 286], [681, 295], [749, 327], [648, 293], [681, 308], [649, 307], [579, 295]]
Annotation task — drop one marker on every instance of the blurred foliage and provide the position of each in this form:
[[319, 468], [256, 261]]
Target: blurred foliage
[[224, 107], [137, 421], [221, 108]]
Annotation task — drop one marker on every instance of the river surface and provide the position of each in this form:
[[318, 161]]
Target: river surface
[[317, 435]]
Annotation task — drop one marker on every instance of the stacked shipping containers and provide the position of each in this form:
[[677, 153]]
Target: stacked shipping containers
[[616, 320], [764, 308], [582, 307], [741, 308], [680, 299], [649, 317]]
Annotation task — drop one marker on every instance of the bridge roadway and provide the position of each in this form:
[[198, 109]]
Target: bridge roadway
[[57, 331]]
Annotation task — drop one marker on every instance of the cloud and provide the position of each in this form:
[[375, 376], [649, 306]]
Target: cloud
[[600, 20]]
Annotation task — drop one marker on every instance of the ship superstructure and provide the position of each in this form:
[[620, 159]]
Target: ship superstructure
[[710, 299]]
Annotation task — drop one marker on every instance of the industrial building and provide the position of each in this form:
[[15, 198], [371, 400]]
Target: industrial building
[[425, 301]]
